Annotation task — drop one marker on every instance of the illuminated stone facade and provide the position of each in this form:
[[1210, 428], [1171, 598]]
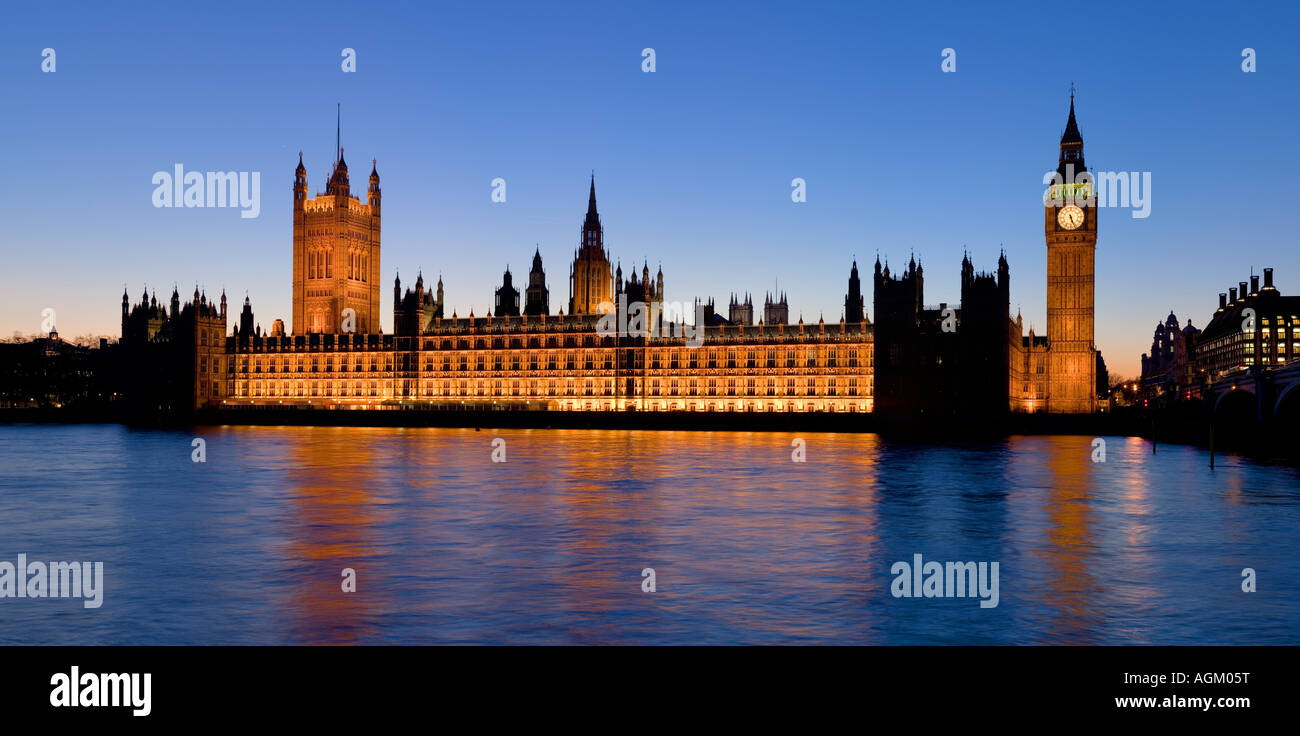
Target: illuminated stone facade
[[561, 363], [538, 361], [1071, 232], [566, 362], [590, 282], [335, 255], [1028, 385]]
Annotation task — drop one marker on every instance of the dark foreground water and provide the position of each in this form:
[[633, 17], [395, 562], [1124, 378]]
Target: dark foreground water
[[549, 546]]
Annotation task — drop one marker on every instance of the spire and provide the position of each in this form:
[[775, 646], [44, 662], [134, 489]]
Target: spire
[[1071, 134], [373, 191], [592, 244], [338, 134], [1070, 164]]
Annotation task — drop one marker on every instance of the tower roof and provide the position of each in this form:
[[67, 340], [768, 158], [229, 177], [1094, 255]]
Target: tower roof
[[592, 237], [1071, 134], [338, 180]]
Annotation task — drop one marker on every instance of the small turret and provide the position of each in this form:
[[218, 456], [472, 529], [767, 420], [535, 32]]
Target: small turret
[[373, 192], [338, 184], [300, 184]]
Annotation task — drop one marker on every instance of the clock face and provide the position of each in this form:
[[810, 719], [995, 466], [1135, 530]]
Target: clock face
[[1070, 217]]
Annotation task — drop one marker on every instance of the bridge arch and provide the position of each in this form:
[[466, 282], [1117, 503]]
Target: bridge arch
[[1286, 392], [1246, 388], [1286, 412], [1236, 411]]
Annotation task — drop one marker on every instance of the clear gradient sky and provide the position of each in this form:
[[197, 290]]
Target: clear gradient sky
[[693, 162]]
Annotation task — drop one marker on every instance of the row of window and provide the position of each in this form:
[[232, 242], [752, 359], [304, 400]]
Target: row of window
[[569, 387], [552, 361]]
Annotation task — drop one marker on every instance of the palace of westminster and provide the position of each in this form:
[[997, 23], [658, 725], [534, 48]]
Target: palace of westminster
[[914, 359]]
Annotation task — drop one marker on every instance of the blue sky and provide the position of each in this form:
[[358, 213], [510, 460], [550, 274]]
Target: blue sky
[[693, 162]]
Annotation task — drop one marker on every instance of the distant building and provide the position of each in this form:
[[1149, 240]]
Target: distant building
[[1169, 366], [49, 372], [1255, 327]]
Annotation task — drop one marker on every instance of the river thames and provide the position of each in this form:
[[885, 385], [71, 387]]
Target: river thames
[[747, 545]]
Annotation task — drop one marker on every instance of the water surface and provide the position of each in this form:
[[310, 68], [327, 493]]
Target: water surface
[[548, 546]]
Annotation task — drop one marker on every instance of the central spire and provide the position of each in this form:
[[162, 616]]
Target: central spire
[[1071, 134], [1071, 163], [591, 230]]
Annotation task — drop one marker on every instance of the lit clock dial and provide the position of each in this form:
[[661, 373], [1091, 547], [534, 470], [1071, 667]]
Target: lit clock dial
[[1070, 217]]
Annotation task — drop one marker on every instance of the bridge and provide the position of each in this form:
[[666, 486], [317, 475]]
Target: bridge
[[1256, 398]]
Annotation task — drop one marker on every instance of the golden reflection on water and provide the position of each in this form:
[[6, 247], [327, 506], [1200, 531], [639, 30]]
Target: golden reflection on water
[[726, 519], [1135, 584], [1073, 593], [332, 474]]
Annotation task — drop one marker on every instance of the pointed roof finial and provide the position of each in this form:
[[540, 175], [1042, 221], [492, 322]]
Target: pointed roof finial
[[338, 133], [1071, 134]]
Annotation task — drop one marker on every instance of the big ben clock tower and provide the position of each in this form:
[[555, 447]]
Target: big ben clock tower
[[1070, 224]]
